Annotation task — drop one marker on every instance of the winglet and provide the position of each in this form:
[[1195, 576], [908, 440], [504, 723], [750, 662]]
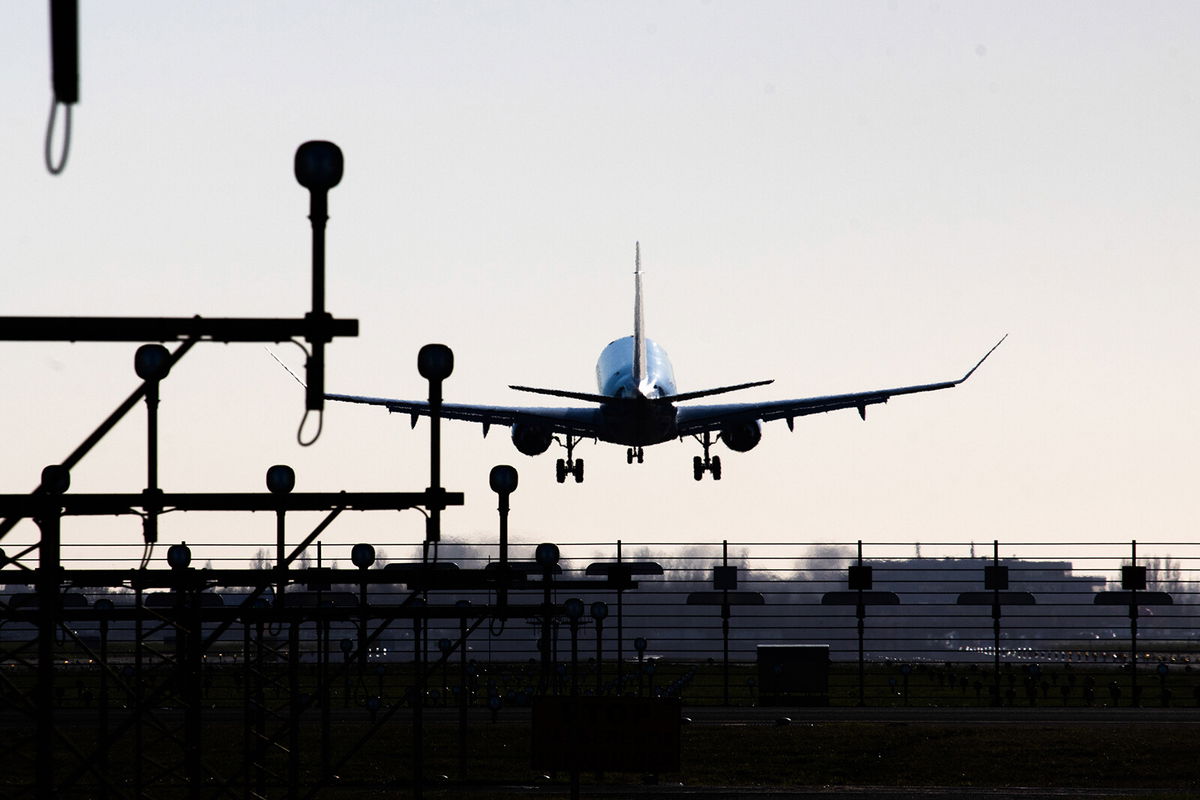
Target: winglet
[[985, 357]]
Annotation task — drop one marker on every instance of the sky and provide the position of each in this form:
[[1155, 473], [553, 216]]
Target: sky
[[840, 196]]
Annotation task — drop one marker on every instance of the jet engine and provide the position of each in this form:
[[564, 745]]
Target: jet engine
[[742, 437], [532, 440]]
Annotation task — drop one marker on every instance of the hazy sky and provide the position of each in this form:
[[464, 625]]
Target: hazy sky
[[839, 196]]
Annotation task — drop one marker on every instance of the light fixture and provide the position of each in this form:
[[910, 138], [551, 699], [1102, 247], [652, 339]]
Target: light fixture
[[435, 362], [503, 479], [281, 479], [574, 608], [362, 555], [152, 362], [56, 479], [546, 555], [319, 165], [179, 556]]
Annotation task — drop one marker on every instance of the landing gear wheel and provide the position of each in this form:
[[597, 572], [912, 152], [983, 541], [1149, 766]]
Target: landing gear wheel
[[641, 454], [629, 456], [697, 468], [569, 465], [716, 468]]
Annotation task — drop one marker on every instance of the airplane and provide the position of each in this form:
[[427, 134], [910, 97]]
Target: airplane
[[638, 405]]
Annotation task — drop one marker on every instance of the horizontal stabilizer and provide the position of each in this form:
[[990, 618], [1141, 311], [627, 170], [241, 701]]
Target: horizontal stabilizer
[[709, 392], [584, 396], [601, 398]]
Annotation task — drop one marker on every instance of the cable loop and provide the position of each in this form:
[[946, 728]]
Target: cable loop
[[300, 430], [66, 145]]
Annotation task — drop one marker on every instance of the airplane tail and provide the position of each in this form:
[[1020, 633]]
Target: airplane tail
[[639, 333]]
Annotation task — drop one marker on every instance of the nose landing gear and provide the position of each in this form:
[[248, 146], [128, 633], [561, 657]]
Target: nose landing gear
[[571, 465], [706, 464], [634, 453]]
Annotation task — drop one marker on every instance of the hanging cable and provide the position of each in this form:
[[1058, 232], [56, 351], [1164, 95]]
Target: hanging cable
[[300, 430], [64, 66], [56, 169]]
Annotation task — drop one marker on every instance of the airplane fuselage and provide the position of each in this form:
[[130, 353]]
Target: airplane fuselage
[[636, 417]]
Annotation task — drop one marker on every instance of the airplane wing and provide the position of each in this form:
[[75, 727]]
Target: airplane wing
[[698, 419], [575, 421]]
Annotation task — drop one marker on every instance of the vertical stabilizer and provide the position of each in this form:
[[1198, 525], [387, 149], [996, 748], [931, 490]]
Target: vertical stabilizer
[[639, 333]]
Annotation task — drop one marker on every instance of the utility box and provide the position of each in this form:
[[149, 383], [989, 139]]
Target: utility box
[[609, 734], [793, 674]]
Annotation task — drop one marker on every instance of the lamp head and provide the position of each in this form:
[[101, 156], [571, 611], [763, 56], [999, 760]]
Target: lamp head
[[546, 555], [362, 555], [503, 479], [574, 608], [319, 165], [56, 479], [179, 556], [152, 362], [435, 362], [281, 479]]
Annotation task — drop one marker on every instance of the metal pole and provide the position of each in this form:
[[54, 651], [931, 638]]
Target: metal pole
[[725, 652], [996, 623], [150, 520], [49, 602], [1133, 631], [193, 688], [599, 656], [462, 696], [293, 766], [546, 619], [434, 533], [323, 689], [575, 708], [725, 628], [620, 634], [574, 658], [860, 611], [248, 738], [502, 589], [102, 726], [138, 691], [418, 709], [280, 557], [260, 711], [318, 215]]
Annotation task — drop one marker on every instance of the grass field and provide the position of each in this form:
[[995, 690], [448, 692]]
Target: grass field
[[740, 745]]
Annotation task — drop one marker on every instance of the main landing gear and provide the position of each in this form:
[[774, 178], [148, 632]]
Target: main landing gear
[[634, 453], [706, 464], [571, 465]]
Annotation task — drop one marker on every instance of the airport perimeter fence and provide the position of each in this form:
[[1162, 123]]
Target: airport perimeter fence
[[1073, 624]]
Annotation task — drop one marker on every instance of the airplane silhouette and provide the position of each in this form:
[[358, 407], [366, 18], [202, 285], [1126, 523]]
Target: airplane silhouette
[[638, 405]]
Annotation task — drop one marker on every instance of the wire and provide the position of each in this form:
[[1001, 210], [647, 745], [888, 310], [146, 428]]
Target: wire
[[66, 145], [304, 419], [147, 554]]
